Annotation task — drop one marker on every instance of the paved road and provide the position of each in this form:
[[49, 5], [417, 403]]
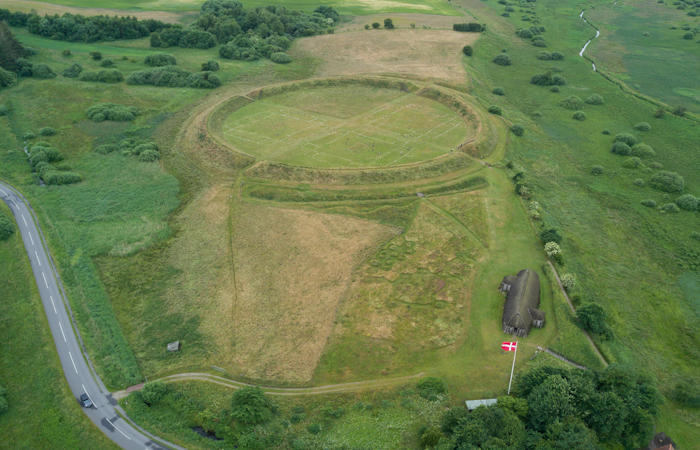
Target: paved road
[[76, 368]]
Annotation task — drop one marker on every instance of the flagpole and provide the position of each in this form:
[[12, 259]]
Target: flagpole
[[513, 367]]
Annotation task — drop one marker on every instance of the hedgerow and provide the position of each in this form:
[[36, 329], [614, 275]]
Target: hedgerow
[[160, 59], [103, 76], [472, 27], [111, 111], [170, 76]]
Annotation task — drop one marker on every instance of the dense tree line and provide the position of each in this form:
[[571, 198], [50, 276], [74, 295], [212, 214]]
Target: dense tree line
[[171, 76], [10, 49], [559, 409], [79, 28], [248, 34]]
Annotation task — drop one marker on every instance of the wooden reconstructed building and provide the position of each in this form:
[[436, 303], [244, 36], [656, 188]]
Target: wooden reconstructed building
[[522, 300]]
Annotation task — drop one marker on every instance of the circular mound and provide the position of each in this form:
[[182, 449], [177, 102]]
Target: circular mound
[[348, 126]]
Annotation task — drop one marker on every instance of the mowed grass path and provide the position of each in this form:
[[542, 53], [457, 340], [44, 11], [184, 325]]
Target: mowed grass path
[[345, 127]]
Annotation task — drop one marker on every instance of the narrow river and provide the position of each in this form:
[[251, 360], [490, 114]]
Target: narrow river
[[597, 33]]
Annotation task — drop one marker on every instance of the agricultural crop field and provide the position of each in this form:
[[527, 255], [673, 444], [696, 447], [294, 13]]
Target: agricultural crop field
[[325, 211], [345, 127]]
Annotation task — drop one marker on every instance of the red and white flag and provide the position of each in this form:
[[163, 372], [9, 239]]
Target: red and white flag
[[509, 346]]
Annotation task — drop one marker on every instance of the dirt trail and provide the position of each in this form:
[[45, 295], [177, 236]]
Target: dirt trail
[[318, 390], [573, 310]]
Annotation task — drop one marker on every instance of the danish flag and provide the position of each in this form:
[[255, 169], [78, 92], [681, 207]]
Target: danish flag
[[509, 346]]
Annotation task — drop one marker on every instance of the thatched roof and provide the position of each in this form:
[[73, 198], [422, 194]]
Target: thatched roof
[[522, 300]]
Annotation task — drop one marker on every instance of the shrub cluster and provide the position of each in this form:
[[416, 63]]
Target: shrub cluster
[[642, 150], [595, 99], [591, 317], [210, 66], [111, 111], [579, 115], [103, 76], [79, 28], [73, 71], [253, 47], [431, 387], [632, 163], [10, 48], [171, 76], [550, 56], [502, 59], [572, 102], [688, 202], [548, 79], [160, 59], [7, 228], [667, 181], [41, 156], [7, 78], [472, 27], [145, 151], [280, 58]]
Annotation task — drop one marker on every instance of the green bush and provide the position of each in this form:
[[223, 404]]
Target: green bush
[[73, 71], [388, 24], [96, 56], [153, 392], [28, 136], [376, 25], [250, 406], [655, 165], [171, 76], [597, 170], [43, 71], [551, 235], [106, 148], [160, 59], [606, 132], [544, 55], [472, 27], [649, 203], [59, 177], [502, 60], [591, 317], [66, 52], [671, 208], [687, 393], [113, 112], [643, 150], [431, 387], [572, 102], [7, 227], [149, 155], [280, 58], [642, 126], [314, 428], [493, 109], [210, 66], [595, 99], [103, 76], [667, 181], [620, 148], [47, 131], [517, 130], [548, 79], [626, 138], [638, 182], [579, 115], [499, 91], [688, 202], [632, 163], [107, 63], [4, 110], [468, 50], [554, 89]]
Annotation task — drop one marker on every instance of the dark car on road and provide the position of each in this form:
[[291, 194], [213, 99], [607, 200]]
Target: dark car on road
[[85, 401]]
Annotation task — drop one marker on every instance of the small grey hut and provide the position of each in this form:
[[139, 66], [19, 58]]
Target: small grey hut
[[522, 299]]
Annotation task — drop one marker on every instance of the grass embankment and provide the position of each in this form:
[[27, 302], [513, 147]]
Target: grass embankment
[[42, 411], [628, 258]]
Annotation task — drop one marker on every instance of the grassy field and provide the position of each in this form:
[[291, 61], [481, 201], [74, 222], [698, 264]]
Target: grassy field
[[642, 42], [42, 411], [345, 127]]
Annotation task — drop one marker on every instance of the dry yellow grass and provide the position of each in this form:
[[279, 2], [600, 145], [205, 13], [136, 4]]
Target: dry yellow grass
[[422, 53], [292, 268], [48, 8], [403, 20]]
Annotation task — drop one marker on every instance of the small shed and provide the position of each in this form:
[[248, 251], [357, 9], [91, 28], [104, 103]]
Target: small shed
[[473, 404], [522, 300]]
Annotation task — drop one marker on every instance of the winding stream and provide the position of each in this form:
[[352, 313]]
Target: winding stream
[[597, 33]]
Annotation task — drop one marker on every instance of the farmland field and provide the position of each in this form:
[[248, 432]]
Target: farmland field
[[345, 127]]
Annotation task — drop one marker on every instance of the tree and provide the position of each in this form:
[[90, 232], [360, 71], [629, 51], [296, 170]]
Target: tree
[[552, 250], [250, 406], [514, 404], [549, 402], [490, 427], [10, 48], [375, 25], [153, 392], [568, 280], [388, 24], [571, 434], [468, 50], [591, 317], [7, 228]]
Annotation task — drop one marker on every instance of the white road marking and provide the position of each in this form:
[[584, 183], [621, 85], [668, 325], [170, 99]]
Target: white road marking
[[30, 237], [117, 428], [54, 305], [62, 333], [73, 361], [24, 220], [37, 258], [45, 282], [3, 192]]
